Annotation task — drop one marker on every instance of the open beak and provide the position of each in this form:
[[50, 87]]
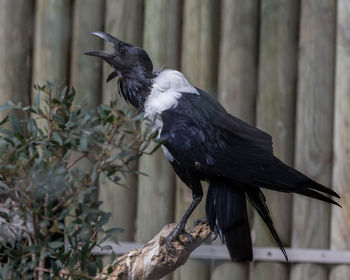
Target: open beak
[[114, 42], [108, 57]]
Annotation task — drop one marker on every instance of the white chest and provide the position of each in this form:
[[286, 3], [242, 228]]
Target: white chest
[[166, 91]]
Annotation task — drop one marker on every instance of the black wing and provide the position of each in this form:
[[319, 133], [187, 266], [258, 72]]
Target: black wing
[[201, 135]]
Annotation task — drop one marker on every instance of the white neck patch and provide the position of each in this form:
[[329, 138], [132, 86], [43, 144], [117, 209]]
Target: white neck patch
[[167, 88]]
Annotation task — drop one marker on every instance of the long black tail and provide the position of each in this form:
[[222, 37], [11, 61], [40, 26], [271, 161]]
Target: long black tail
[[226, 210], [258, 201], [287, 179]]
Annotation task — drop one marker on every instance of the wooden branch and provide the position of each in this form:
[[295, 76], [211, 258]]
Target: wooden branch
[[153, 261]]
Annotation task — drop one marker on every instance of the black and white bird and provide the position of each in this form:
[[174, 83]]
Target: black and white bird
[[204, 142]]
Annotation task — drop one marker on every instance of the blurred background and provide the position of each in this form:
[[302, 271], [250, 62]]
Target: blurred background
[[281, 65]]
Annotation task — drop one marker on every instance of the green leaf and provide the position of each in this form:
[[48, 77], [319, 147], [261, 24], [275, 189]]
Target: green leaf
[[84, 142], [16, 125], [114, 230], [105, 218], [56, 244], [92, 268], [8, 106], [63, 94], [55, 269], [99, 263], [4, 271], [32, 127], [4, 186], [36, 102], [4, 120], [57, 137], [109, 269], [107, 248]]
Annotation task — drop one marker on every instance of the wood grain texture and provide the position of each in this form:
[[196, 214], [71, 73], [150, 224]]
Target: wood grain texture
[[229, 270], [85, 72], [153, 261], [275, 115], [238, 58], [156, 192], [314, 122], [51, 42], [340, 219], [16, 22], [199, 64], [199, 55], [51, 45], [238, 80], [124, 20]]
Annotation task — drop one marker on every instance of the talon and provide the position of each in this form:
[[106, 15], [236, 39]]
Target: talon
[[188, 236], [168, 245], [216, 234], [200, 221]]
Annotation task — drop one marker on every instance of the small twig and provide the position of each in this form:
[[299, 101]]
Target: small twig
[[69, 166]]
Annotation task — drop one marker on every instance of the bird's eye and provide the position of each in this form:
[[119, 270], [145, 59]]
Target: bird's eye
[[122, 50]]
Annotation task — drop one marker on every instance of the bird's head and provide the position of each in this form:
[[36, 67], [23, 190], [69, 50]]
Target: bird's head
[[127, 60]]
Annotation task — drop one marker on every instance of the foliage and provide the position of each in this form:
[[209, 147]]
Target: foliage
[[51, 164]]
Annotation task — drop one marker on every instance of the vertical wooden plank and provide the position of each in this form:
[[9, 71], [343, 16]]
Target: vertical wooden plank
[[238, 58], [227, 270], [156, 192], [340, 223], [85, 74], [199, 60], [16, 23], [313, 150], [51, 41], [200, 35], [238, 81], [275, 115], [124, 20]]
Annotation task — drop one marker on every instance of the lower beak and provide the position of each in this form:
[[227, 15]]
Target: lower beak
[[102, 54]]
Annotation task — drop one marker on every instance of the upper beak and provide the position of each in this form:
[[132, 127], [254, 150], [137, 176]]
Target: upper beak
[[107, 37]]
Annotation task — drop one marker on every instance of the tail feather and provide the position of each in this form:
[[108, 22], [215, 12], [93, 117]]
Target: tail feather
[[257, 199], [287, 179], [227, 210]]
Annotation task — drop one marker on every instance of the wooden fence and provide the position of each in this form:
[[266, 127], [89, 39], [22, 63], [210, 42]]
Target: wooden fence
[[281, 65]]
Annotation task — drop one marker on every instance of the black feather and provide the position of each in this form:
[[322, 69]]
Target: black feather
[[226, 209], [257, 199]]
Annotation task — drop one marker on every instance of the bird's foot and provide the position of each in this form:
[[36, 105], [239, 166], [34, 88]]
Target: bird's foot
[[200, 221], [175, 234]]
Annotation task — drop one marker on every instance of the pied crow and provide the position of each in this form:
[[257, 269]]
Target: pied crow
[[204, 142]]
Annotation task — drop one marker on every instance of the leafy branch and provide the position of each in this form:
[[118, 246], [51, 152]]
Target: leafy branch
[[51, 163]]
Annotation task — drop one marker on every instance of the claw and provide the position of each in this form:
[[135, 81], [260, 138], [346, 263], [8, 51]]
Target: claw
[[200, 221], [216, 234], [172, 236]]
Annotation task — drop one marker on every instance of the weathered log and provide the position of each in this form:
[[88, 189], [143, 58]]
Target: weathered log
[[153, 261]]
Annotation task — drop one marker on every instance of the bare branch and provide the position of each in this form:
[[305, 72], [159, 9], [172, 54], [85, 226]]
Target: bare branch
[[153, 261]]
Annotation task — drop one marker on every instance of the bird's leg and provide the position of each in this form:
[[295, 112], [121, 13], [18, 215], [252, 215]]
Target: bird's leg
[[181, 225]]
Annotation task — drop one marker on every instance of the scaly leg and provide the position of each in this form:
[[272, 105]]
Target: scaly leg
[[181, 225]]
